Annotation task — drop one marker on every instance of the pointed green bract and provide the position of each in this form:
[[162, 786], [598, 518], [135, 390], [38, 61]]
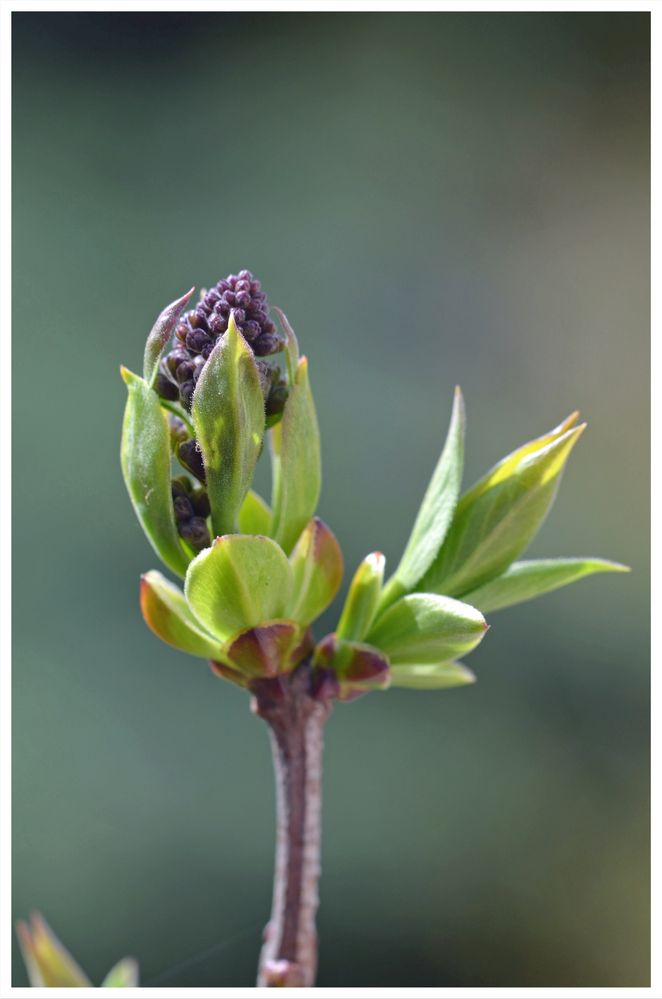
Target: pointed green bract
[[145, 457], [124, 975], [239, 583], [168, 615], [295, 450], [526, 580], [291, 345], [49, 964], [317, 569], [443, 676], [362, 599], [255, 515], [159, 336], [436, 511], [427, 628], [498, 518], [228, 413]]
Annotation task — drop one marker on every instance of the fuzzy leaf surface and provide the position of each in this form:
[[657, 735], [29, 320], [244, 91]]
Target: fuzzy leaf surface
[[239, 583], [168, 615], [427, 628], [317, 570], [145, 457], [228, 414], [362, 599], [296, 463]]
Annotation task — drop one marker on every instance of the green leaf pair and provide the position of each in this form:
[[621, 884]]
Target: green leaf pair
[[459, 560], [246, 605], [50, 965]]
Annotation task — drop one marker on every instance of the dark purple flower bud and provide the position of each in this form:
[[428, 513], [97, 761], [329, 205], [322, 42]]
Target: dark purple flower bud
[[196, 533], [200, 329], [184, 371], [277, 398], [181, 486], [186, 393], [191, 458], [165, 387], [199, 364], [218, 323], [251, 329], [267, 343], [176, 357], [200, 502], [196, 340], [183, 508], [178, 431]]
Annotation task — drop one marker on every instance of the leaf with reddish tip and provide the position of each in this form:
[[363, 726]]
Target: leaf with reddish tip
[[427, 628], [49, 964], [145, 457], [124, 975], [426, 676], [240, 582], [255, 515], [160, 334], [168, 615], [357, 667], [362, 599], [296, 467], [273, 647], [317, 568], [228, 413]]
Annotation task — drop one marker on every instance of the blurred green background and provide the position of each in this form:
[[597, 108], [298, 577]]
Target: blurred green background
[[433, 199]]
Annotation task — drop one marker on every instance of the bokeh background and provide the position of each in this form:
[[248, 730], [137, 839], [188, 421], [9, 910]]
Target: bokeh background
[[432, 198]]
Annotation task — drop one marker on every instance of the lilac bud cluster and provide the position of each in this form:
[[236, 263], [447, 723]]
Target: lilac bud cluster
[[199, 330], [191, 510]]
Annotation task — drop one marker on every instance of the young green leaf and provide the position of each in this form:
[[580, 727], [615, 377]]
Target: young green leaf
[[159, 336], [436, 511], [427, 628], [168, 615], [145, 457], [239, 583], [497, 519], [317, 569], [362, 599], [295, 450], [49, 964], [123, 975], [526, 580], [431, 677], [254, 515], [228, 413]]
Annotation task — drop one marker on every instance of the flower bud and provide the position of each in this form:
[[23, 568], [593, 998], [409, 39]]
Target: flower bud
[[191, 458], [198, 331]]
